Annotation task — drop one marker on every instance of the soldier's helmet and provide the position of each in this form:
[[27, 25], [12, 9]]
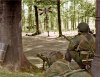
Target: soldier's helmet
[[83, 27]]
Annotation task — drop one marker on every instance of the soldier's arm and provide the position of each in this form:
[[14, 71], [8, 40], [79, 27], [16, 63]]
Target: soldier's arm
[[71, 47]]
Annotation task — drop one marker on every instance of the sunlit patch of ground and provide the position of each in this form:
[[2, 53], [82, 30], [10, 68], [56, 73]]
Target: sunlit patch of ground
[[32, 45]]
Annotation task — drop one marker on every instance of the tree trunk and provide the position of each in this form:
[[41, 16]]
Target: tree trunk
[[88, 18], [59, 19], [72, 23], [30, 15], [52, 22], [78, 20], [10, 33], [36, 20], [67, 25], [74, 16], [1, 12], [96, 61], [23, 17]]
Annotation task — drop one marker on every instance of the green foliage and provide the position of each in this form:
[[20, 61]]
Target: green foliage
[[5, 73], [46, 2], [72, 12]]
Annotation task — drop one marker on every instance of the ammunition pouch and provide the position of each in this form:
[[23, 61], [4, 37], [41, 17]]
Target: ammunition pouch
[[87, 57]]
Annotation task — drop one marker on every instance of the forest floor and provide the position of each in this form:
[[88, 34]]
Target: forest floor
[[32, 45]]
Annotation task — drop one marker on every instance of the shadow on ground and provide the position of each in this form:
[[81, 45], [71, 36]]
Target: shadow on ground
[[32, 45]]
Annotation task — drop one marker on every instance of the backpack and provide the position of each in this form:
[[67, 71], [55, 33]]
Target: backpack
[[86, 48]]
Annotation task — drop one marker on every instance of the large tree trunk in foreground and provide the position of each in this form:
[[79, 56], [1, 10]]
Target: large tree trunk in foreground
[[1, 11], [96, 61], [10, 33], [59, 19]]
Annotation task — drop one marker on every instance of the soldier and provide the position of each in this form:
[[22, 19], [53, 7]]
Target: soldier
[[62, 68], [84, 43]]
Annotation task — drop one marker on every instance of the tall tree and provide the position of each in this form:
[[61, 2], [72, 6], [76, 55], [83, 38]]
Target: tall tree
[[96, 61], [1, 11], [52, 21], [30, 3], [59, 19], [23, 15], [28, 13], [45, 11], [10, 33], [36, 20]]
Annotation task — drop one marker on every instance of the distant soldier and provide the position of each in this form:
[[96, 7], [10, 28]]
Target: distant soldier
[[82, 46]]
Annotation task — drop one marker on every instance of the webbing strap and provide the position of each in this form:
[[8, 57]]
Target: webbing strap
[[65, 74]]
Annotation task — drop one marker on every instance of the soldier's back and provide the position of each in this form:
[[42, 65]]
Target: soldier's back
[[86, 43]]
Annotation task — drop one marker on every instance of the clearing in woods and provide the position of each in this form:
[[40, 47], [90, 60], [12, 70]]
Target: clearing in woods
[[32, 45]]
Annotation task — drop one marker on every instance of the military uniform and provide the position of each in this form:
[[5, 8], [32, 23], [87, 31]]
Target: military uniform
[[62, 68], [84, 41]]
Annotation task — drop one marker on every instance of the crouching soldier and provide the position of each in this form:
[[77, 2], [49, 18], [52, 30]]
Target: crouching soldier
[[63, 68], [82, 47]]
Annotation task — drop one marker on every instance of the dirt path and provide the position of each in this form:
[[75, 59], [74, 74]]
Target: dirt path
[[32, 45]]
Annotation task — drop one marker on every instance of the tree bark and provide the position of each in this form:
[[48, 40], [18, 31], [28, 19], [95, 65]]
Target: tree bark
[[96, 61], [1, 11], [10, 33], [36, 20], [59, 18]]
